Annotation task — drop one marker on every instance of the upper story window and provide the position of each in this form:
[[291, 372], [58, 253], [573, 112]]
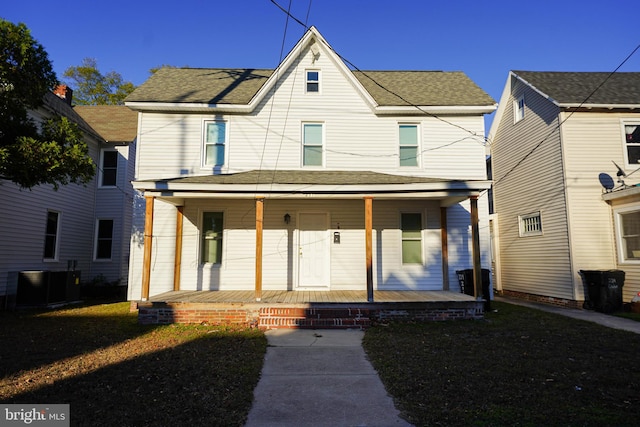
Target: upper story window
[[518, 109], [312, 144], [313, 81], [52, 231], [530, 224], [104, 239], [628, 233], [108, 168], [215, 138], [408, 145], [411, 225], [632, 143]]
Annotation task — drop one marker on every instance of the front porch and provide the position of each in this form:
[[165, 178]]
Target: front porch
[[306, 309]]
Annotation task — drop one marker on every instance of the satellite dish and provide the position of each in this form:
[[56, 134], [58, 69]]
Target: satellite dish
[[620, 171], [606, 181]]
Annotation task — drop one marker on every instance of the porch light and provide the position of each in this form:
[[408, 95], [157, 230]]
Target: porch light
[[287, 218]]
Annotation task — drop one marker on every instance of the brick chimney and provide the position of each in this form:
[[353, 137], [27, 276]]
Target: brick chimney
[[64, 92]]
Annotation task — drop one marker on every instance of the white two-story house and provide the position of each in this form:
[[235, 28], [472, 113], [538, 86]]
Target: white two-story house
[[310, 176]]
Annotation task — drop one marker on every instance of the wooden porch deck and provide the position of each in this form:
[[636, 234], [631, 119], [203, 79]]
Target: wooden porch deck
[[309, 297]]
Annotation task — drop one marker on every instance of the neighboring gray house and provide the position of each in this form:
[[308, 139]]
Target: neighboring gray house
[[557, 206], [82, 228]]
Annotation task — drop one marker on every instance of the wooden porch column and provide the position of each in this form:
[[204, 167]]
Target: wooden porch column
[[177, 262], [148, 243], [368, 226], [259, 226], [475, 237], [445, 248]]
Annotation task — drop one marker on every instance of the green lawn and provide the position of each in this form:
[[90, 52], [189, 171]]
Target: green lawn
[[519, 366], [114, 372]]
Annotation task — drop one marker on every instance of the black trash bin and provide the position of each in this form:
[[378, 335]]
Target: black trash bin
[[465, 278], [603, 289]]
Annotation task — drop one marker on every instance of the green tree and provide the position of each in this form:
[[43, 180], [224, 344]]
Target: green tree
[[56, 155], [91, 87]]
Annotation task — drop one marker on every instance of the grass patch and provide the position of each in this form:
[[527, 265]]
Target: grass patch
[[519, 366], [113, 371]]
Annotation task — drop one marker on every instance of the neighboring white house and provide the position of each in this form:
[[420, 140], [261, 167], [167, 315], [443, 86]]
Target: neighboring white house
[[555, 143], [78, 227], [273, 179]]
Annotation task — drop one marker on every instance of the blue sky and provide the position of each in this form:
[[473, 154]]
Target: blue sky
[[483, 39]]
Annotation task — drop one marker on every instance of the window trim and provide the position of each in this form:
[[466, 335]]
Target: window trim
[[204, 143], [623, 124], [418, 145], [518, 112], [419, 239], [617, 213], [97, 239], [321, 145], [522, 232], [307, 81], [102, 167], [200, 251], [56, 247]]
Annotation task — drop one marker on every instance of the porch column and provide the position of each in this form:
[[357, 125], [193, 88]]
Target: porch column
[[475, 237], [148, 242], [368, 226], [445, 248], [259, 226], [177, 261]]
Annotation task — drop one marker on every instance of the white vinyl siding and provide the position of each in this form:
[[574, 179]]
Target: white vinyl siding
[[312, 143]]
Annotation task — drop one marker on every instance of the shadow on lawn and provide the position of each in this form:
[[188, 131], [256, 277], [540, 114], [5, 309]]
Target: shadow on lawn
[[33, 338], [206, 381]]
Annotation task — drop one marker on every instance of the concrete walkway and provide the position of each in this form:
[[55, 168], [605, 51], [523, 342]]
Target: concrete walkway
[[320, 378], [607, 320]]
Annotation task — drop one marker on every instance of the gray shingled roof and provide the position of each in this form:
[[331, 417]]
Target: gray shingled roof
[[201, 85], [304, 177], [425, 88], [115, 123], [575, 87], [238, 86]]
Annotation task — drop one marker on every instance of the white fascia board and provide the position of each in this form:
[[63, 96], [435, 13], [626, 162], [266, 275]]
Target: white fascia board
[[535, 89], [603, 106], [310, 188], [434, 110], [178, 197], [188, 107]]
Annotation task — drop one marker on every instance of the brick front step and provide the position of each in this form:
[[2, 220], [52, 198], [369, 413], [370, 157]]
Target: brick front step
[[314, 318]]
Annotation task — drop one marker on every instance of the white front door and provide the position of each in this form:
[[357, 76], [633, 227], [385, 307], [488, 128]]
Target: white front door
[[313, 250]]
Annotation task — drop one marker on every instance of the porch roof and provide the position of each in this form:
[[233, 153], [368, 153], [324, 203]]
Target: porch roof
[[296, 183]]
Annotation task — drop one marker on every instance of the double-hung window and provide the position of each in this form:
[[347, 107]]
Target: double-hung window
[[52, 231], [215, 138], [530, 224], [312, 144], [408, 145], [104, 239], [518, 109], [628, 232], [411, 225], [212, 232], [108, 168], [313, 81], [632, 143]]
